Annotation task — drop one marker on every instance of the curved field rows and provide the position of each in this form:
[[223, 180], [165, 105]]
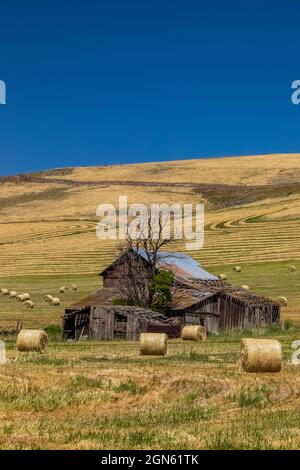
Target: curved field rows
[[74, 248]]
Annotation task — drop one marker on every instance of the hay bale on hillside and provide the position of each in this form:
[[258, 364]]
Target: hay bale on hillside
[[282, 300], [13, 294], [193, 333], [292, 269], [260, 355], [62, 289], [28, 304], [47, 298], [54, 301], [20, 298], [26, 296], [153, 344], [222, 277], [74, 287], [237, 269], [4, 291], [245, 287], [32, 340]]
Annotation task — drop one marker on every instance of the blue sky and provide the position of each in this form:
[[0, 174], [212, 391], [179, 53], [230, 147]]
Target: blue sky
[[103, 82]]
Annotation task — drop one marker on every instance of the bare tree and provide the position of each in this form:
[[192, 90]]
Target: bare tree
[[139, 260]]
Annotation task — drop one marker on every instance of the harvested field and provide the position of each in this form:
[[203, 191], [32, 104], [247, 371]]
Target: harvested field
[[105, 395]]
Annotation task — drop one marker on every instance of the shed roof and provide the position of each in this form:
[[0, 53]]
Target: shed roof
[[187, 298], [224, 288], [102, 296]]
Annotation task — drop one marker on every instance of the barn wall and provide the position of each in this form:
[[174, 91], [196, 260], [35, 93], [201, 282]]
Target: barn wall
[[232, 314], [121, 270], [120, 322], [210, 307], [110, 281], [209, 321]]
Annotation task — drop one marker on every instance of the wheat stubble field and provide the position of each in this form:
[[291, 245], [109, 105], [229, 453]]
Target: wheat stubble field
[[90, 395]]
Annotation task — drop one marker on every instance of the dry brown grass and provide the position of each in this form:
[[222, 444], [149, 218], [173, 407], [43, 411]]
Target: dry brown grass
[[105, 395], [48, 227]]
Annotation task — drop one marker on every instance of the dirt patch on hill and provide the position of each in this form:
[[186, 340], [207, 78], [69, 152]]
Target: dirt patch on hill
[[219, 196], [216, 195], [50, 194]]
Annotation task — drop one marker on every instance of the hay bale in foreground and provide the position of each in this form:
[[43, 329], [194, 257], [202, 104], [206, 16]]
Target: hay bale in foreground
[[260, 355], [32, 340], [13, 294], [222, 277], [193, 333], [282, 300], [153, 344], [4, 291], [237, 269]]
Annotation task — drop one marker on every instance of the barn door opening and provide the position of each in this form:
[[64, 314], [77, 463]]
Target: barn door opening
[[120, 326], [69, 327]]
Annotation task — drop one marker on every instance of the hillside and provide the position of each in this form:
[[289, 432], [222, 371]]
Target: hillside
[[252, 218]]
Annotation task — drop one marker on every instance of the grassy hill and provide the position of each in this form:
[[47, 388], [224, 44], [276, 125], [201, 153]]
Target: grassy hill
[[48, 221]]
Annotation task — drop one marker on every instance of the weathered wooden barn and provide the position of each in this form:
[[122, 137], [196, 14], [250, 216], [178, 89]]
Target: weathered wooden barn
[[96, 318], [218, 305], [198, 297]]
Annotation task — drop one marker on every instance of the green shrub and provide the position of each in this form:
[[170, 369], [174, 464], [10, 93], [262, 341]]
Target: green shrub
[[54, 332], [160, 286]]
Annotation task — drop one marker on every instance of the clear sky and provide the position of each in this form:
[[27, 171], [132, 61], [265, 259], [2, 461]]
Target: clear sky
[[102, 82]]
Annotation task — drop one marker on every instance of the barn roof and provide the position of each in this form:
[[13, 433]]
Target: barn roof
[[176, 262], [187, 298], [102, 296], [224, 288]]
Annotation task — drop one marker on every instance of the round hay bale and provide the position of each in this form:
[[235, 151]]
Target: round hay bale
[[237, 269], [292, 269], [13, 294], [62, 289], [4, 291], [260, 355], [26, 296], [32, 340], [20, 298], [74, 287], [245, 287], [54, 301], [193, 333], [153, 344], [222, 277], [282, 300], [47, 298], [28, 304]]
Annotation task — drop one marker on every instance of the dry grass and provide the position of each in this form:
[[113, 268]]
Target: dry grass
[[48, 227], [105, 395]]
